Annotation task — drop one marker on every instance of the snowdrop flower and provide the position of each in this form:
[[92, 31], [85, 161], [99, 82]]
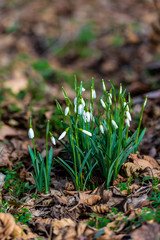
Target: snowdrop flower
[[84, 116], [101, 128], [75, 101], [93, 93], [66, 111], [80, 109], [128, 115], [53, 140], [92, 117], [103, 85], [87, 116], [83, 89], [114, 124], [31, 133], [127, 122], [82, 101], [86, 132], [110, 98], [110, 95], [103, 104], [120, 89], [75, 108], [145, 102], [63, 134], [124, 104]]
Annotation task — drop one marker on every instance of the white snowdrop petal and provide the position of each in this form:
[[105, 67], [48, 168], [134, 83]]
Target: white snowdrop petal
[[101, 129], [103, 85], [87, 116], [83, 102], [83, 89], [80, 109], [93, 93], [127, 122], [87, 133], [110, 100], [145, 102], [66, 111], [114, 124], [128, 116], [84, 116], [31, 133], [53, 140], [120, 89], [62, 135], [75, 108], [75, 101], [103, 104]]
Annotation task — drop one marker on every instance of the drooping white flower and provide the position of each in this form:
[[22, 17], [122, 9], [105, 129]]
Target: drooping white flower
[[101, 128], [80, 109], [83, 89], [84, 116], [63, 134], [75, 101], [53, 140], [92, 117], [66, 111], [103, 85], [114, 124], [128, 115], [31, 133], [83, 102], [145, 102], [110, 95], [127, 122], [109, 99], [75, 108], [126, 105], [93, 93], [86, 132], [103, 104], [120, 89], [87, 117]]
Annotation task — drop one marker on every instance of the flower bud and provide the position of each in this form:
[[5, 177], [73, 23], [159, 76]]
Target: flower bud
[[53, 140], [101, 128], [66, 111], [103, 104], [31, 133], [62, 135], [114, 124]]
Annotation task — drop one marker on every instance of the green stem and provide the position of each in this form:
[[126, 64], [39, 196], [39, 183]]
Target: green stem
[[47, 132]]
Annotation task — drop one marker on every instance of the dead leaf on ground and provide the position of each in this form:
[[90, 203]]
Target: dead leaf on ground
[[149, 231], [102, 208], [8, 228]]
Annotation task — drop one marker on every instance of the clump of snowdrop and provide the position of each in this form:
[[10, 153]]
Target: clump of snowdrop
[[42, 169], [100, 141]]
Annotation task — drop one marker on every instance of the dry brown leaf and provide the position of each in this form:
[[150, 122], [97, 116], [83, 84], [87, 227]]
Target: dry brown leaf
[[88, 199], [9, 131], [130, 169], [60, 224], [69, 186], [102, 208], [72, 193], [8, 228], [150, 231], [7, 225], [107, 194]]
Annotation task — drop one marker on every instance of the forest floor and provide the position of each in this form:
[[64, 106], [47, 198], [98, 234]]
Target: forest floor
[[43, 44]]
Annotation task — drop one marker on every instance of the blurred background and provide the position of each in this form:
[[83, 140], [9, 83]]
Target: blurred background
[[45, 43]]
